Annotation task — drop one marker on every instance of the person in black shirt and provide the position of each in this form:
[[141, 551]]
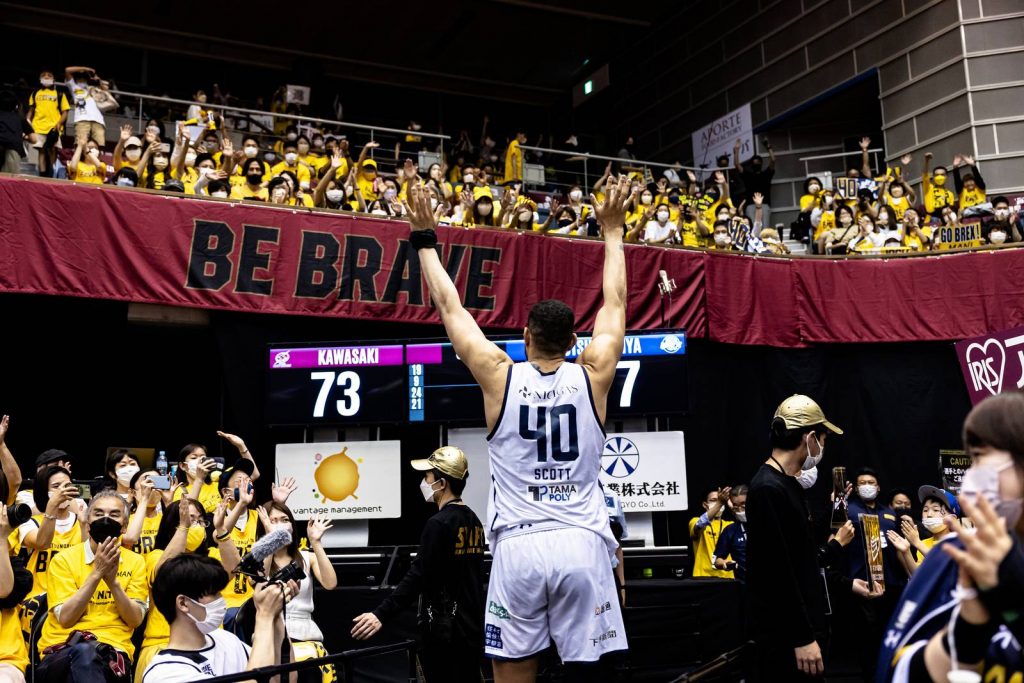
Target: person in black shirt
[[14, 130], [447, 576], [757, 180], [785, 589]]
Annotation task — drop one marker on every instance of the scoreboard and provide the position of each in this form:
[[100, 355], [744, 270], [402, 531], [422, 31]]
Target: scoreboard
[[425, 381]]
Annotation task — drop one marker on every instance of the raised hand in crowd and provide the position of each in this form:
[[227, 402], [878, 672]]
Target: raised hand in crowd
[[316, 528], [279, 492], [986, 548], [865, 143], [846, 533], [611, 213]]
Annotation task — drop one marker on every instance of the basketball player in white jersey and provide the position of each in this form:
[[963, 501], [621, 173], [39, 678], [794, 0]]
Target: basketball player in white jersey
[[546, 523]]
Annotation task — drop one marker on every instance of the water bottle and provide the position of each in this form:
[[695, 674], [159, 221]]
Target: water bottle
[[161, 463]]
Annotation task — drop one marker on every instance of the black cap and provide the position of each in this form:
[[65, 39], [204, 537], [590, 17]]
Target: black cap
[[51, 455], [241, 465]]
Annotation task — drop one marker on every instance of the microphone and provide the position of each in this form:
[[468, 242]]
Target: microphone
[[251, 563], [665, 285]]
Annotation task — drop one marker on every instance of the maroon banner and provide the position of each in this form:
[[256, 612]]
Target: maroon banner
[[112, 243], [992, 363]]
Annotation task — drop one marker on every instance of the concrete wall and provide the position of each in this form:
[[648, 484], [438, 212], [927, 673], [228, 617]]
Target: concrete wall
[[950, 76]]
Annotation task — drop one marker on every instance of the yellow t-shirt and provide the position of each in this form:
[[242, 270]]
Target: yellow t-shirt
[[189, 176], [317, 162], [301, 172], [898, 205], [243, 192], [513, 162], [808, 202], [826, 223], [149, 528], [973, 197], [365, 186], [38, 561], [239, 589], [209, 496], [704, 548], [915, 243], [86, 172], [68, 573], [12, 644], [935, 197], [158, 631], [49, 104], [306, 200], [159, 178], [688, 231]]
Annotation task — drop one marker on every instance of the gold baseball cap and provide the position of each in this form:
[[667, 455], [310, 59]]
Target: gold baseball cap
[[803, 411], [446, 460]]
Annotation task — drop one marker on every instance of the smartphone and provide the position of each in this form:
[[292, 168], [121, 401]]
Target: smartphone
[[84, 491], [165, 148], [238, 492], [161, 483]]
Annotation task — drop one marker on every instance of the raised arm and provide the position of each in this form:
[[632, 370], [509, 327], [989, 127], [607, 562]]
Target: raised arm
[[865, 162], [489, 364], [602, 354], [8, 463]]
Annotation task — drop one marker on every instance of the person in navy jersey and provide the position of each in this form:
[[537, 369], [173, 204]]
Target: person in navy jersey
[[731, 550], [960, 617]]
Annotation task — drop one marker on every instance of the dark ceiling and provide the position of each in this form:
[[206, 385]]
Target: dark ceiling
[[522, 51]]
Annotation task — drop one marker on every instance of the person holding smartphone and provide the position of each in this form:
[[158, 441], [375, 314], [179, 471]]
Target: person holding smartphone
[[145, 520]]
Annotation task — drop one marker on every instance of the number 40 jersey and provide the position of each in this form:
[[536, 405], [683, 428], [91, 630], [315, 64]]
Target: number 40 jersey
[[545, 455]]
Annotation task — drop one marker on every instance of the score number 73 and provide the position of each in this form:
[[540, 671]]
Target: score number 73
[[349, 383]]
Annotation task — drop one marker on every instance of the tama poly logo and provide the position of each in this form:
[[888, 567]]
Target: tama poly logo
[[993, 363], [620, 457], [282, 359], [556, 493], [337, 476], [671, 343]]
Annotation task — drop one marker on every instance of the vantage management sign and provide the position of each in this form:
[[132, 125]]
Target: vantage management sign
[[719, 136], [646, 470]]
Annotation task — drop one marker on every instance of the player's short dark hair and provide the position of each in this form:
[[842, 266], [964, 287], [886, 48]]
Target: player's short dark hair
[[789, 439], [551, 323], [866, 472], [457, 486], [191, 575]]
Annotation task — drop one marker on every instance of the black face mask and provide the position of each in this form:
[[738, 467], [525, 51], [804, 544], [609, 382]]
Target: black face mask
[[104, 528], [254, 178], [903, 511]]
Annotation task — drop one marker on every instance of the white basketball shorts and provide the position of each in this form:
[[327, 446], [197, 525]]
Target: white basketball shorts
[[552, 585]]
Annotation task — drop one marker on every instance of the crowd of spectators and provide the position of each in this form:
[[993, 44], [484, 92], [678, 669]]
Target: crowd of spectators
[[472, 185]]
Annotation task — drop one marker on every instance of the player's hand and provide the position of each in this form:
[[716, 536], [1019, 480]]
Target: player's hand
[[846, 533], [910, 531], [808, 659], [863, 589], [417, 208], [611, 213], [901, 544], [366, 626]]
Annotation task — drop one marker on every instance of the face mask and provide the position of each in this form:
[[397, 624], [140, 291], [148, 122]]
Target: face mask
[[828, 199], [392, 193], [304, 184], [723, 216], [867, 492], [125, 473], [806, 478], [427, 490], [160, 162], [207, 171], [190, 159], [845, 220], [195, 538], [646, 199], [125, 182], [902, 511], [982, 481], [211, 145], [104, 528], [214, 615], [290, 158], [94, 153], [468, 178], [933, 524], [813, 188], [280, 196], [269, 156], [576, 195], [250, 151], [318, 143], [721, 239], [1002, 214], [484, 209], [813, 460], [46, 82], [525, 216], [741, 516], [303, 149], [133, 154], [997, 237], [292, 136], [221, 194], [433, 203], [939, 180], [663, 216], [335, 196], [254, 178]]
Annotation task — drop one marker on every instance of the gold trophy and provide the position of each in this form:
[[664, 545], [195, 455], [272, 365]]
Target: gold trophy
[[873, 546], [839, 512]]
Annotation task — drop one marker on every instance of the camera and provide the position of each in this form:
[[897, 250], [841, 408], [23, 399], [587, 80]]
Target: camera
[[19, 513], [290, 572]]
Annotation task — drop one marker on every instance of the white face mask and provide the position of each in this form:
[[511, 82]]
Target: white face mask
[[721, 239], [125, 182], [433, 204], [813, 188], [646, 199], [806, 478], [160, 162], [190, 159], [983, 481], [214, 615], [133, 154], [46, 82], [468, 178], [741, 516], [576, 195], [250, 151], [126, 472], [525, 216], [222, 194], [94, 153], [997, 237], [1002, 214], [427, 490], [867, 492], [662, 216], [335, 196], [290, 158], [813, 460], [933, 524]]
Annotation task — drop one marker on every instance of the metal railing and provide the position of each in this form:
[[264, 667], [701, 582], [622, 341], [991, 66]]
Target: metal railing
[[341, 660]]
